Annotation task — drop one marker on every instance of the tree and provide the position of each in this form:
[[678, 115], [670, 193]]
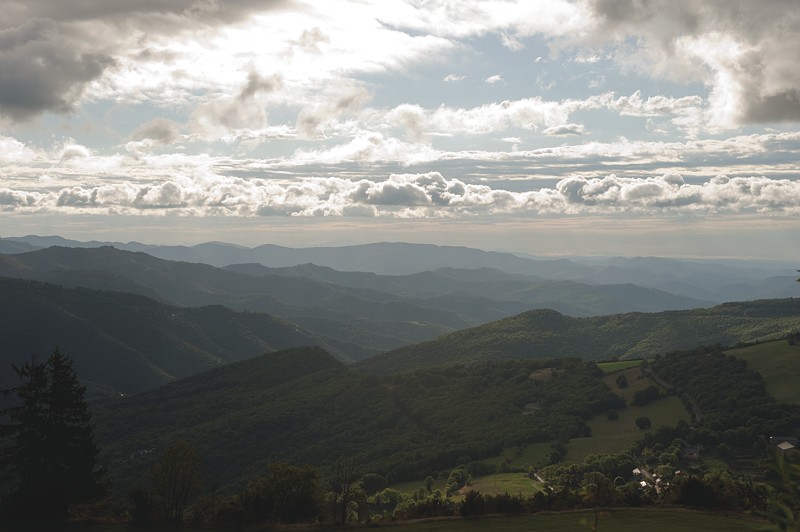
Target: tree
[[783, 481], [176, 479], [343, 476], [52, 456], [288, 494], [643, 422], [373, 483]]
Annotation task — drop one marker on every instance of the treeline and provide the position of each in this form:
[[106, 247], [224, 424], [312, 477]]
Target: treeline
[[729, 401]]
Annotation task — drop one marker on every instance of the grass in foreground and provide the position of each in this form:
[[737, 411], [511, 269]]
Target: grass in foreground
[[618, 520]]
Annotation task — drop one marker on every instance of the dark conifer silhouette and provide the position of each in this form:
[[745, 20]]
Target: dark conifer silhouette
[[49, 454]]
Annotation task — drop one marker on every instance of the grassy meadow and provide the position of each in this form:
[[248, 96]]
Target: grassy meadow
[[610, 437], [500, 483], [779, 366], [618, 365], [616, 436]]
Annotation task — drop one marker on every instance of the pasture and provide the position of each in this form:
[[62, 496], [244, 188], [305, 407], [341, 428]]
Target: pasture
[[779, 366]]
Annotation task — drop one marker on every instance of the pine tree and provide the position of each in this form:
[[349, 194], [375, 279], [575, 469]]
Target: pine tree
[[51, 455]]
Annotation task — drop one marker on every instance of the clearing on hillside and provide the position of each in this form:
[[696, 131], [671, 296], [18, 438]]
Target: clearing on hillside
[[618, 365], [779, 366]]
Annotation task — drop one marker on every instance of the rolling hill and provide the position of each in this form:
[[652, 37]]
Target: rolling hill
[[546, 333], [361, 314], [303, 406], [126, 343]]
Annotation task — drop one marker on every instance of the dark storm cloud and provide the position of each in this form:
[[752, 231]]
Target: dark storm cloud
[[127, 10], [781, 107], [50, 51], [42, 70]]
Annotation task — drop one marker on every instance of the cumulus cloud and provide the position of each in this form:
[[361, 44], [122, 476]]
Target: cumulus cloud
[[13, 151], [453, 77], [564, 129], [491, 80], [528, 113], [43, 70], [73, 154], [742, 50], [427, 194]]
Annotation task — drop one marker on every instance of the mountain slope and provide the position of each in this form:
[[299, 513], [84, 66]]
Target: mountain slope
[[546, 333], [364, 314], [125, 343], [518, 291], [700, 279], [302, 406]]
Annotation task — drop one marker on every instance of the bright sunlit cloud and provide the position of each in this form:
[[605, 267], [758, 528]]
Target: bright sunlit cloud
[[477, 111]]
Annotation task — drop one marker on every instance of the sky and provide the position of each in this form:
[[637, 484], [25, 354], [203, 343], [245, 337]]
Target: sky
[[586, 127]]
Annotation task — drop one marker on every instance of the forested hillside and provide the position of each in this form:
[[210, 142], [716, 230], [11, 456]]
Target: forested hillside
[[302, 406], [546, 333], [125, 343]]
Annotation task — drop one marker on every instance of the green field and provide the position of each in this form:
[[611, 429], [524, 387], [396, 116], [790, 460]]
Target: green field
[[617, 436], [613, 367], [779, 366], [610, 437], [530, 455], [511, 483], [636, 381], [410, 486]]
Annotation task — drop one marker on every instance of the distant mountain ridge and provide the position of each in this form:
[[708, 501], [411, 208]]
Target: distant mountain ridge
[[360, 314], [716, 281], [126, 343]]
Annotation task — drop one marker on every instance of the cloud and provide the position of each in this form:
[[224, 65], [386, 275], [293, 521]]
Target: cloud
[[564, 129], [256, 83], [224, 117], [43, 70], [423, 195], [73, 154], [453, 77], [528, 113], [143, 12], [340, 99], [160, 130], [491, 80], [310, 40], [367, 147], [510, 42], [13, 151], [744, 51]]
